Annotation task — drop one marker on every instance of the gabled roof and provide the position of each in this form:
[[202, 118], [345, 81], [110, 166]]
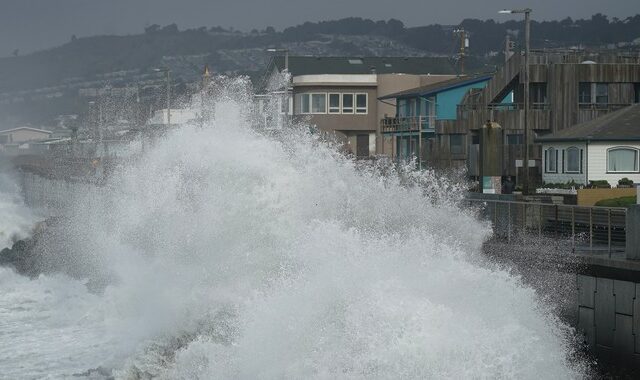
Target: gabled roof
[[21, 128], [434, 88], [620, 125], [310, 65]]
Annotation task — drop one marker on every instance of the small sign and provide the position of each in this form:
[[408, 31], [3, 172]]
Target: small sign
[[532, 163]]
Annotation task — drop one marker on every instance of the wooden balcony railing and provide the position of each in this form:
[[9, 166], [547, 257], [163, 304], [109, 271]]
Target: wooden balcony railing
[[407, 124]]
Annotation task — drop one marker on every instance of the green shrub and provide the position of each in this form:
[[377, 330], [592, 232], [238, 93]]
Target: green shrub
[[618, 202], [600, 184], [625, 182]]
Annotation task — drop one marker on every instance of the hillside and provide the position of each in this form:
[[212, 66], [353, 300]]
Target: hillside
[[36, 87]]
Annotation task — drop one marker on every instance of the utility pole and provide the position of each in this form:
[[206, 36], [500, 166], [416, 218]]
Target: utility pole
[[464, 45], [525, 78]]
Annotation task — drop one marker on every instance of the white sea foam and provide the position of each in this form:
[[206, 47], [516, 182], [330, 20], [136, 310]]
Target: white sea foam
[[16, 220], [236, 255]]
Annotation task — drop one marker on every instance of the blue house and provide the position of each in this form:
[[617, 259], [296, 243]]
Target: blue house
[[421, 110]]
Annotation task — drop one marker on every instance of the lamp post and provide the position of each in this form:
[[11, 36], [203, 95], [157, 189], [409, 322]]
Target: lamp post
[[527, 38], [168, 73]]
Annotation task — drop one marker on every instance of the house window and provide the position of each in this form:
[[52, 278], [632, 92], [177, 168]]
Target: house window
[[334, 103], [622, 160], [584, 93], [515, 139], [305, 103], [347, 103], [551, 160], [538, 94], [573, 160], [318, 103], [590, 93], [602, 93], [361, 103], [456, 144]]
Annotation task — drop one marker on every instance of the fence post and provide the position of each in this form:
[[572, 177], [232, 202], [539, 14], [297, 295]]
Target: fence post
[[609, 230], [509, 222], [573, 226], [633, 232], [590, 228]]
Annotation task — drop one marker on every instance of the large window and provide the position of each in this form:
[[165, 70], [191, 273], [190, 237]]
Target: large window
[[456, 144], [347, 103], [361, 103], [593, 93], [584, 93], [573, 160], [318, 103], [538, 94], [622, 160], [551, 160], [334, 103], [305, 103], [602, 93]]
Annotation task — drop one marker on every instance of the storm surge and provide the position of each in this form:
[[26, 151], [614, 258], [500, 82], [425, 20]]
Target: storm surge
[[234, 253]]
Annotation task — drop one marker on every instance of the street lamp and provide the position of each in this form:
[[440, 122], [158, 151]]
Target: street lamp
[[168, 73], [286, 56], [527, 38]]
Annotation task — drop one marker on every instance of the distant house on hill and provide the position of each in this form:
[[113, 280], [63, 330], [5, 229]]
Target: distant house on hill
[[339, 95], [606, 148]]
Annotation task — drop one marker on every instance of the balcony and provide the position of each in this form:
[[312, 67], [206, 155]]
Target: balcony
[[407, 124]]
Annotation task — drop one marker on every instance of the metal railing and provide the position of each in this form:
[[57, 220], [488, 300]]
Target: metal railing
[[590, 228], [407, 124]]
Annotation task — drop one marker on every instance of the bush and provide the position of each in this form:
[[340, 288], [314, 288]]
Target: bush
[[618, 202], [569, 185], [625, 182], [600, 184]]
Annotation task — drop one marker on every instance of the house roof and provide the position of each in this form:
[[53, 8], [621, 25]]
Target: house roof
[[28, 128], [310, 65], [433, 88], [620, 125]]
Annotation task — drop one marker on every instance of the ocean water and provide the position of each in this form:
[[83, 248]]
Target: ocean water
[[232, 253]]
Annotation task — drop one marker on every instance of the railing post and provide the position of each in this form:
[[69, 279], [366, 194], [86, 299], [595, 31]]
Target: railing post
[[540, 216], [509, 222], [609, 232], [556, 223], [524, 219], [573, 226], [590, 228]]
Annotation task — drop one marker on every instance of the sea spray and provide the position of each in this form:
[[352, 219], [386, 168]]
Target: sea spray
[[235, 253]]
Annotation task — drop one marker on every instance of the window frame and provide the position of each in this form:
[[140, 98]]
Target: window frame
[[546, 160], [629, 148], [356, 108], [330, 108], [353, 100], [566, 168]]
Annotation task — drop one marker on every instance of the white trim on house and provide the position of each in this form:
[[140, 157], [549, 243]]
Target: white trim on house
[[23, 128]]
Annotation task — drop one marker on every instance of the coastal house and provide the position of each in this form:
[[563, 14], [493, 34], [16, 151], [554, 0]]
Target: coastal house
[[22, 135], [566, 88], [423, 110], [339, 95], [606, 148]]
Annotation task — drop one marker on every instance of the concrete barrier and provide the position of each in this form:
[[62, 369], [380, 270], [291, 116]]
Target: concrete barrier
[[633, 232]]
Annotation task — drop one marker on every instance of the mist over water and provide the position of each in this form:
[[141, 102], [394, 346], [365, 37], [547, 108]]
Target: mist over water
[[16, 219], [231, 253]]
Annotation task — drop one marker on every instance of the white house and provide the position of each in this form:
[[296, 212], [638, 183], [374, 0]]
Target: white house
[[606, 148], [22, 135]]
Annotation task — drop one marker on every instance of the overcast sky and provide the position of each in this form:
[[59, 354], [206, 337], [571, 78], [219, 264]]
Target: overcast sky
[[30, 25]]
